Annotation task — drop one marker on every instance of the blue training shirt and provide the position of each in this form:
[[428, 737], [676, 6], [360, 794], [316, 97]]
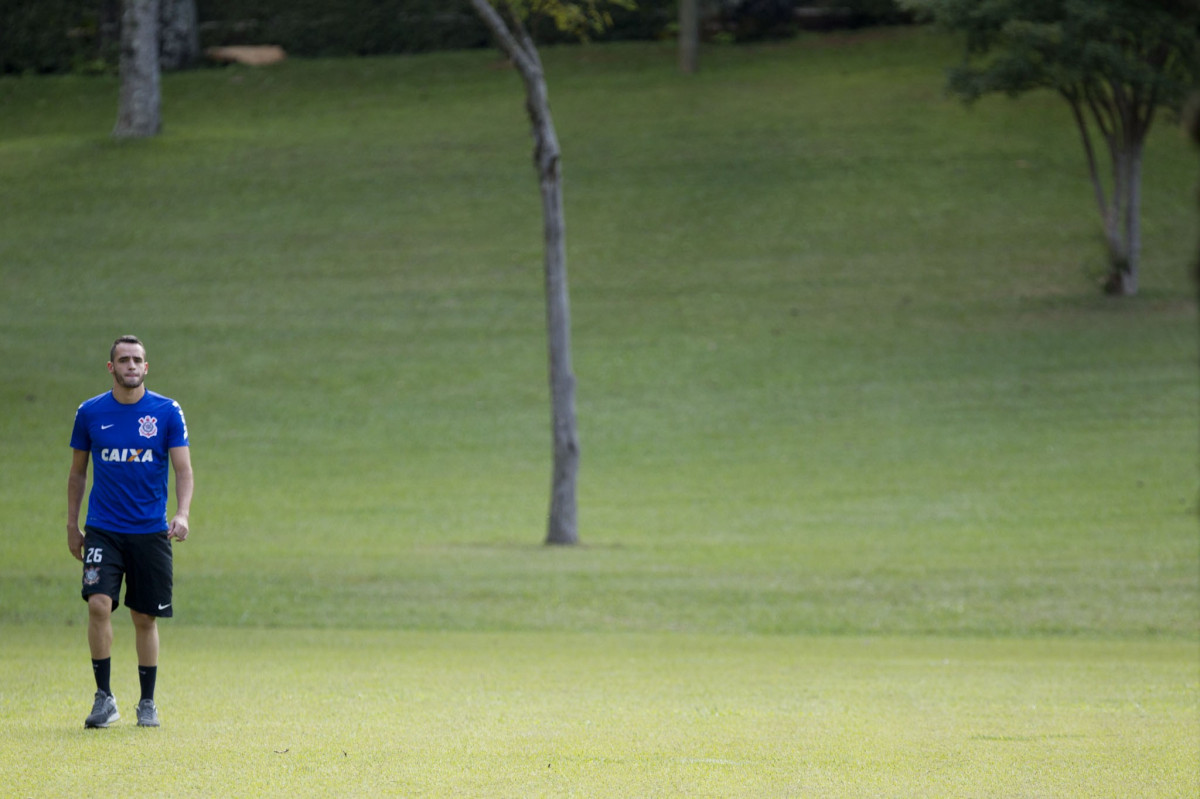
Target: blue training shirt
[[129, 446]]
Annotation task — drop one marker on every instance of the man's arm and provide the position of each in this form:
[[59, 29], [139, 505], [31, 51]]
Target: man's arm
[[181, 460], [76, 483]]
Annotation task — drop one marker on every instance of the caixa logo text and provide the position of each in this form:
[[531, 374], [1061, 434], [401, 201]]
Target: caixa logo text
[[127, 455]]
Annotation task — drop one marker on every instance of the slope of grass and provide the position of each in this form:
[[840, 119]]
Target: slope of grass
[[845, 377], [842, 362]]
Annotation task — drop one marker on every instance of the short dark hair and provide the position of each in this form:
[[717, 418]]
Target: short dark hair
[[112, 353]]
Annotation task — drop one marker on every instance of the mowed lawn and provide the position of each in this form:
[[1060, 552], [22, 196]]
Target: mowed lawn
[[879, 496], [252, 712]]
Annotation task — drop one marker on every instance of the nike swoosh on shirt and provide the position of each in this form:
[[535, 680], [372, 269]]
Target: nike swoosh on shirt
[[105, 426], [164, 607]]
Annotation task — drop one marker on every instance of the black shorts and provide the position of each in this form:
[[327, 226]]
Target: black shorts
[[142, 559]]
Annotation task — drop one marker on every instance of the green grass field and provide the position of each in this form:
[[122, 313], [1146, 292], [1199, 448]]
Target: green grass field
[[879, 497]]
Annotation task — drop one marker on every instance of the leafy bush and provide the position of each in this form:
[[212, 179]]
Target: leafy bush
[[54, 36], [82, 35], [755, 20], [351, 27], [862, 13]]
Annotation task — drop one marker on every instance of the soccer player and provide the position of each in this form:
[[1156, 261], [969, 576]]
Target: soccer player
[[131, 434]]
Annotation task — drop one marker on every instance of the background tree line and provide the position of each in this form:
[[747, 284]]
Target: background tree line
[[84, 35]]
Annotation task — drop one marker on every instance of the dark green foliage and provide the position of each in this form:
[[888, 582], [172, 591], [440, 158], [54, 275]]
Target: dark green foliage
[[757, 20], [75, 35], [871, 12], [349, 27], [1014, 46], [55, 36], [646, 21], [840, 14], [754, 20], [81, 35]]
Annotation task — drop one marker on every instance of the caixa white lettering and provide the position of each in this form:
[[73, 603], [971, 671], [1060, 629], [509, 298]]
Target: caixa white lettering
[[127, 455]]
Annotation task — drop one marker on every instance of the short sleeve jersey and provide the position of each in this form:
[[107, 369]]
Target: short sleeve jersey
[[129, 446]]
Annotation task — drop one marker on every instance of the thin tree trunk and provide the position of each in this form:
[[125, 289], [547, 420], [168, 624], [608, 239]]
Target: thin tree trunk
[[1193, 128], [1124, 132], [179, 35], [1123, 281], [139, 106], [1133, 224], [1102, 201], [689, 36], [562, 526]]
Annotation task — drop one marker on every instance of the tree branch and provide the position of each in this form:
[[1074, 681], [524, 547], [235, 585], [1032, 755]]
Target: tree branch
[[1101, 110], [1073, 99], [523, 56]]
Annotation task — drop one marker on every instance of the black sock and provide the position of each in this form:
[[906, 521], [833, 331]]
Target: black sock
[[102, 669], [147, 675]]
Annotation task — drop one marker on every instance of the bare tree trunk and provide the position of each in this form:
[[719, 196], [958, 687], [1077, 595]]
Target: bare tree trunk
[[1102, 200], [689, 36], [1133, 218], [1119, 122], [562, 526], [1192, 125], [139, 107], [179, 35], [1123, 278]]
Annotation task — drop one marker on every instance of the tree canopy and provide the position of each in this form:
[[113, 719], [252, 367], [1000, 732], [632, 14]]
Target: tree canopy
[[582, 18], [1146, 46], [1115, 62]]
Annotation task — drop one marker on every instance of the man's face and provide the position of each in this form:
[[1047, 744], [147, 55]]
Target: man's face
[[128, 366]]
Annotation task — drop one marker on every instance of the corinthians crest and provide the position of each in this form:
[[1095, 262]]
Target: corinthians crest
[[149, 427]]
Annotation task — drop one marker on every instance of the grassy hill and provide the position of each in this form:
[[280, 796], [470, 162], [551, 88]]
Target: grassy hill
[[844, 366]]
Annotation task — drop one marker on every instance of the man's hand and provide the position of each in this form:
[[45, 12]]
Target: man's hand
[[178, 530], [75, 541]]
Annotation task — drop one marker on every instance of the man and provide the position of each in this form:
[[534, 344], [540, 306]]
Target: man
[[130, 433]]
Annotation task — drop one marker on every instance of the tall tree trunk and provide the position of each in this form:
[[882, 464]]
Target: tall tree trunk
[[689, 36], [179, 35], [1133, 218], [1192, 125], [139, 107], [1125, 242], [1123, 130], [562, 526], [1107, 208]]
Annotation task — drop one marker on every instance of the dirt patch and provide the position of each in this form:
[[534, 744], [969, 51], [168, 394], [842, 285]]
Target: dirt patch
[[258, 55]]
